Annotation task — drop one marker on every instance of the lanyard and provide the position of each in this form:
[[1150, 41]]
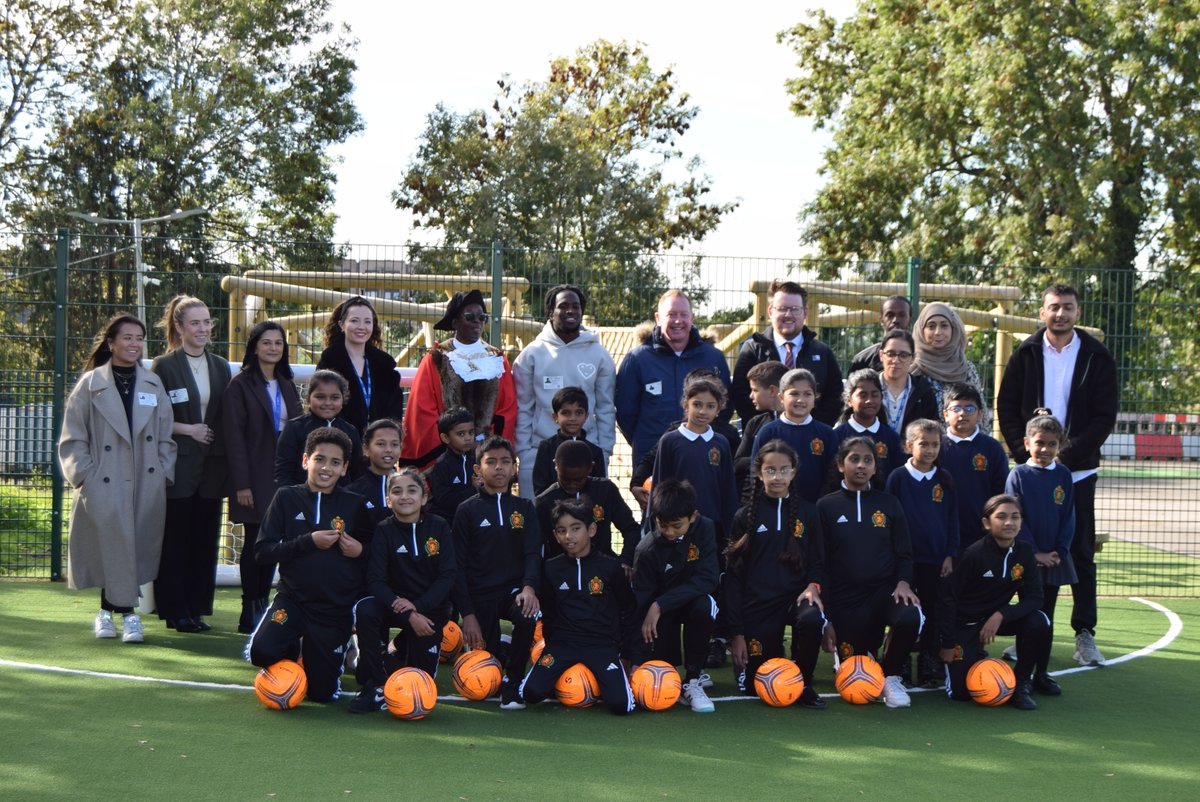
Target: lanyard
[[365, 387], [895, 420], [276, 404]]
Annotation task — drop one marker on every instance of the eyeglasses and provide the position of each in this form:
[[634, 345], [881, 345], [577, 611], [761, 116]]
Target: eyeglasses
[[968, 409], [782, 473], [903, 356], [789, 310], [472, 317]]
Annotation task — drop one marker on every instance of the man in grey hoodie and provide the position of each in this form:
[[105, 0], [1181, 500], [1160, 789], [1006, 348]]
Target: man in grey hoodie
[[564, 354]]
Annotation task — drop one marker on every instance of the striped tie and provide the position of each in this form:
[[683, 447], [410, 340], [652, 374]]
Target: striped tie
[[789, 359]]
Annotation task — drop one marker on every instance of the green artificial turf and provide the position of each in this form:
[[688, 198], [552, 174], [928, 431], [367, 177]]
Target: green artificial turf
[[1121, 732]]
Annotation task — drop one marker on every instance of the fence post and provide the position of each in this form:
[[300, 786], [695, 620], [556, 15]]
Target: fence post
[[62, 253], [914, 284], [497, 290]]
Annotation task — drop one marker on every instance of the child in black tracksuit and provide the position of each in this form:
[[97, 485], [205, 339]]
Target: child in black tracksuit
[[573, 464], [570, 405], [498, 543], [318, 533], [977, 603], [675, 575], [381, 447], [587, 612], [324, 396], [764, 395], [452, 478], [868, 562], [774, 574], [410, 576]]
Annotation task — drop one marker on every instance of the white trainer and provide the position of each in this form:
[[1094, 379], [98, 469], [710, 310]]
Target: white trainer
[[1010, 652], [132, 626], [894, 694], [694, 695], [104, 626], [1086, 653], [706, 681]]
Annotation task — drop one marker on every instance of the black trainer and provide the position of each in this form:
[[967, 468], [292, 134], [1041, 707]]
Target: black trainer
[[368, 700], [510, 696], [1046, 686], [811, 699], [1021, 699], [716, 653]]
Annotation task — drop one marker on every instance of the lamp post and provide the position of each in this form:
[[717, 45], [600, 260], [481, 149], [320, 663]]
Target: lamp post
[[138, 267]]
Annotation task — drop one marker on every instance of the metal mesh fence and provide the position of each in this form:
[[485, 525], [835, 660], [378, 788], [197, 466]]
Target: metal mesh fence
[[1147, 503]]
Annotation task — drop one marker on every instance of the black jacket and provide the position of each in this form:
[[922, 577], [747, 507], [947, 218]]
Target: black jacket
[[814, 356], [587, 601], [451, 482], [543, 464], [1091, 405], [608, 509], [387, 399], [674, 572], [867, 358], [984, 581], [867, 544], [373, 488], [289, 450], [498, 543], [413, 561]]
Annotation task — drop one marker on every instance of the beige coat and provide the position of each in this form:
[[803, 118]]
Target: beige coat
[[120, 482]]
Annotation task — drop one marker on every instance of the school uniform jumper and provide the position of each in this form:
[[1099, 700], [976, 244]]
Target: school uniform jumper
[[979, 468], [588, 614], [608, 509], [703, 460], [311, 615], [867, 553], [498, 543], [889, 447], [761, 590], [984, 582], [414, 561], [815, 444]]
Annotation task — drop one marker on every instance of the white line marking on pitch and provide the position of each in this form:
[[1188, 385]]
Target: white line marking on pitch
[[1173, 631]]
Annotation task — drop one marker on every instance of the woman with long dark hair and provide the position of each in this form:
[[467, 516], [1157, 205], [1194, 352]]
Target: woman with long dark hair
[[258, 401], [117, 453], [354, 348]]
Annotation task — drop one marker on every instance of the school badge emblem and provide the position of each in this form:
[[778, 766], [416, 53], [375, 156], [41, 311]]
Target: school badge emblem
[[879, 519], [546, 660], [714, 456], [431, 547], [846, 650], [755, 648], [338, 524], [693, 552], [798, 529], [817, 446], [980, 462], [516, 520], [938, 493], [1059, 495], [1018, 571], [597, 513], [596, 586], [881, 450], [279, 616]]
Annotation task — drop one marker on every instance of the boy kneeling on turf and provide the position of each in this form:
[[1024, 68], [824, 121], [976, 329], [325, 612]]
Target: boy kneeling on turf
[[588, 611], [675, 575], [317, 532]]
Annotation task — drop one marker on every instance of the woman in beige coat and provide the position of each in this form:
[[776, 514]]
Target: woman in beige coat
[[116, 451]]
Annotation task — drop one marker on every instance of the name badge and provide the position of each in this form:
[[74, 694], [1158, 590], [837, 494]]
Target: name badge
[[179, 396], [147, 400], [654, 388], [816, 357], [552, 382]]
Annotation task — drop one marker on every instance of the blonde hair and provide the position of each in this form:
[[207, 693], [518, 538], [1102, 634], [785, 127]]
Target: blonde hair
[[173, 314]]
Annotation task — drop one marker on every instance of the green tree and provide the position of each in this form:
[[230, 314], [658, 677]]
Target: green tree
[[586, 160], [987, 135]]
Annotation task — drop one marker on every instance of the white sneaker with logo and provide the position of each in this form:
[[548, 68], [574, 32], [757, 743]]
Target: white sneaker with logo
[[104, 626], [894, 694], [694, 695], [132, 626], [1086, 653]]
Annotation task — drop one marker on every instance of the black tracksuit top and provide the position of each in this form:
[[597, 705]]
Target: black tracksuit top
[[674, 572], [415, 561], [498, 543], [587, 601], [608, 509], [985, 579], [866, 544]]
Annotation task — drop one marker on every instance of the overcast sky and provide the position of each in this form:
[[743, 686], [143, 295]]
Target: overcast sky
[[412, 56]]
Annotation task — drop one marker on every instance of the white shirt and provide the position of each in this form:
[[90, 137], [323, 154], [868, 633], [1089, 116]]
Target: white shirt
[[1058, 367], [693, 436], [955, 438], [858, 427], [791, 422], [914, 473]]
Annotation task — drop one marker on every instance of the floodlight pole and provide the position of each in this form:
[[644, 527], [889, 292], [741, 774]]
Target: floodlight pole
[[138, 267]]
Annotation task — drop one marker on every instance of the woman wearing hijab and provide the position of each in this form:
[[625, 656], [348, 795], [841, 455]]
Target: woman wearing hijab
[[941, 352]]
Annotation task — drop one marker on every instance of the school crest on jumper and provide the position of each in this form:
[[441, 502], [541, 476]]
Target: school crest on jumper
[[516, 520], [980, 462], [1018, 571], [880, 450], [338, 524], [817, 446], [754, 647], [432, 547], [938, 493], [597, 513], [693, 552], [1059, 495], [279, 616], [879, 519], [596, 586], [714, 456]]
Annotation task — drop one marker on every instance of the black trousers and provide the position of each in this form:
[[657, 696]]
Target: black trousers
[[764, 639], [489, 612], [105, 604], [1033, 649], [695, 620], [373, 621], [1083, 552], [256, 579], [288, 632], [860, 628], [927, 580], [187, 569], [604, 662]]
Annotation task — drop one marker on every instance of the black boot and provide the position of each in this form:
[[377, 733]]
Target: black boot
[[1021, 699], [246, 620]]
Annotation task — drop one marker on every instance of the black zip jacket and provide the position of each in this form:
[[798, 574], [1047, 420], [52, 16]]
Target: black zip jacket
[[543, 462], [324, 581], [814, 356], [984, 581], [674, 572], [498, 543], [866, 544], [451, 482], [289, 450], [374, 489], [587, 601], [414, 561], [608, 509]]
